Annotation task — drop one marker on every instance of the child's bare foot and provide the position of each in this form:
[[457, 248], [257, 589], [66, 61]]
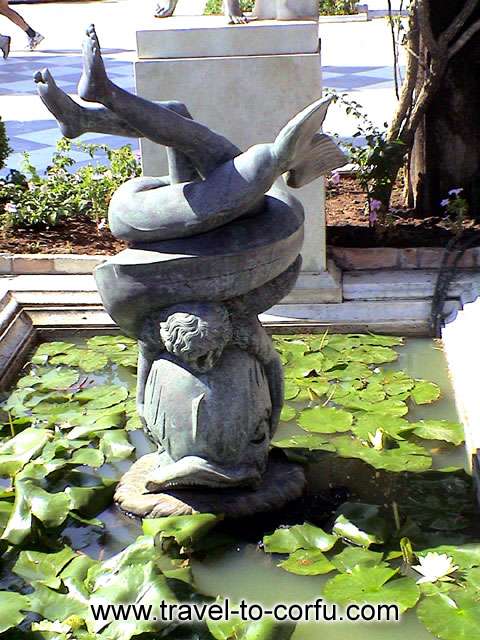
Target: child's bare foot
[[94, 85], [67, 112]]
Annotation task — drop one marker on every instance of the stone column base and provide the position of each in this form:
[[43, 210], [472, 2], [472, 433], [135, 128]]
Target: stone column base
[[315, 288]]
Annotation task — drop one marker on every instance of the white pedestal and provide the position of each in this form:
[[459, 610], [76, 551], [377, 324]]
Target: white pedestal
[[247, 98]]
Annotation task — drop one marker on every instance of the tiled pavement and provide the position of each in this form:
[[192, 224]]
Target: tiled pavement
[[38, 135]]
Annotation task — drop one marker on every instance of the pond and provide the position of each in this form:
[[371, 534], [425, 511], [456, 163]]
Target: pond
[[373, 419]]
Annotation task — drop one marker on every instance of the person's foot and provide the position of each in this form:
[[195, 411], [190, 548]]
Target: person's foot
[[94, 85], [5, 46], [67, 112], [165, 9], [34, 41]]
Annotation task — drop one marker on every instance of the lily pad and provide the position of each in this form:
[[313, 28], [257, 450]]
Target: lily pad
[[288, 413], [300, 536], [291, 390], [440, 430], [59, 379], [186, 530], [307, 562], [360, 523], [36, 566], [407, 456], [53, 348], [115, 445], [369, 423], [325, 420], [452, 616], [12, 605], [88, 456], [351, 557], [25, 446], [372, 585], [425, 392], [309, 441], [87, 360], [102, 396]]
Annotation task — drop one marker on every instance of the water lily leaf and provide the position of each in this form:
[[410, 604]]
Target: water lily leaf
[[50, 508], [425, 392], [291, 389], [405, 457], [16, 401], [54, 605], [373, 585], [397, 382], [11, 606], [452, 616], [369, 423], [59, 379], [88, 361], [370, 354], [17, 451], [115, 445], [53, 630], [133, 423], [127, 359], [309, 441], [307, 562], [97, 425], [88, 456], [390, 406], [353, 371], [93, 500], [115, 342], [300, 536], [440, 430], [102, 396], [313, 388], [53, 348], [36, 566], [186, 530], [325, 420], [302, 366], [288, 413], [360, 523], [264, 629], [352, 557]]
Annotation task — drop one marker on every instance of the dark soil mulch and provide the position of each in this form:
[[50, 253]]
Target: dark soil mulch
[[347, 226]]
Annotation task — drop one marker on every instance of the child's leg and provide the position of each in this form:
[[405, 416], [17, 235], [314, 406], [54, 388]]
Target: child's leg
[[206, 149], [74, 120]]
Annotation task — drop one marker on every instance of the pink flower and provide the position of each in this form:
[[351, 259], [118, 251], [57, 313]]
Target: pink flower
[[445, 203], [102, 224], [335, 178], [10, 207], [455, 192], [372, 217]]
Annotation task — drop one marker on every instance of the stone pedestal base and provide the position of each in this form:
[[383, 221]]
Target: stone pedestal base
[[246, 82], [284, 481]]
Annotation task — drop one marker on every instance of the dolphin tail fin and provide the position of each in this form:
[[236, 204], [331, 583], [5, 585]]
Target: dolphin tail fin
[[302, 151]]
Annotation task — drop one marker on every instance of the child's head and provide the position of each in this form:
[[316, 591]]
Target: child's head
[[197, 333]]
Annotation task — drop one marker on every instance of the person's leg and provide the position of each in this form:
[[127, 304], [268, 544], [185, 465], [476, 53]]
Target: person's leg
[[5, 45], [75, 120], [206, 149], [34, 38]]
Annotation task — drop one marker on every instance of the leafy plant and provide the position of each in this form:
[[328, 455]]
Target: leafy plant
[[30, 200], [4, 146], [216, 6]]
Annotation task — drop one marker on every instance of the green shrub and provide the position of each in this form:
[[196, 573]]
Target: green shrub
[[30, 200], [216, 6], [4, 148], [327, 7]]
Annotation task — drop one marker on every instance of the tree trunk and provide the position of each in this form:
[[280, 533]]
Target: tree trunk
[[446, 151]]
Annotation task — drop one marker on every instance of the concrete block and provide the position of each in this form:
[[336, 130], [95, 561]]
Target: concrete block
[[209, 36], [5, 264], [81, 264], [32, 264], [408, 258]]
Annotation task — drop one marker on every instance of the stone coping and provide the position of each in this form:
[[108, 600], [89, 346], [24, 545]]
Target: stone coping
[[346, 258]]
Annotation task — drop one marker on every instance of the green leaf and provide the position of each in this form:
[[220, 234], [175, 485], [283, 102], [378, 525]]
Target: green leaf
[[291, 390], [452, 616], [89, 361], [53, 348], [369, 423], [88, 456], [102, 396], [36, 566], [186, 530], [439, 430], [11, 607], [351, 557], [372, 585], [265, 629], [405, 457], [425, 392], [288, 413], [133, 423], [59, 379], [307, 562], [300, 536], [391, 406], [115, 445], [325, 420], [309, 441], [17, 451], [50, 508], [360, 523]]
